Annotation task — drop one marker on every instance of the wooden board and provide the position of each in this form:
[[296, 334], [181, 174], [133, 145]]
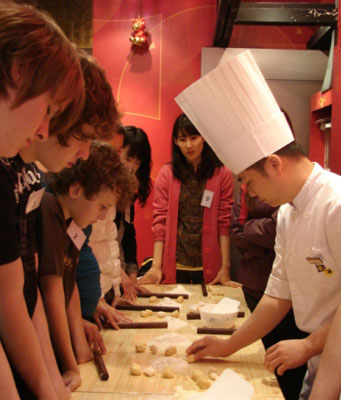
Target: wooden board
[[121, 353]]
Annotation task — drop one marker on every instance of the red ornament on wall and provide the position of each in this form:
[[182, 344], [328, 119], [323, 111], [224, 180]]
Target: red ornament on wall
[[139, 35]]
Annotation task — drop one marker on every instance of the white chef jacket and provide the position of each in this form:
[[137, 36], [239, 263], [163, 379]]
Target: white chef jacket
[[310, 227]]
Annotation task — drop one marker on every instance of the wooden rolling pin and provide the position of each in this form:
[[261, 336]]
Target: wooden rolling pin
[[216, 331], [101, 368], [139, 307], [162, 295], [196, 315], [137, 325], [204, 289]]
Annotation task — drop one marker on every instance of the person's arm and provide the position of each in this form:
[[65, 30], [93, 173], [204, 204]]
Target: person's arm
[[7, 385], [160, 209], [42, 330], [154, 275], [223, 276], [327, 384], [54, 302], [225, 202], [18, 334], [268, 313], [109, 314], [84, 334]]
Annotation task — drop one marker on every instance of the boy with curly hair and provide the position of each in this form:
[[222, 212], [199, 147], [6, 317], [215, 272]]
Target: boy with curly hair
[[79, 196]]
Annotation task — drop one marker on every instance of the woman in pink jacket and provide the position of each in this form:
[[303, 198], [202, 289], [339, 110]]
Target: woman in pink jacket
[[191, 213]]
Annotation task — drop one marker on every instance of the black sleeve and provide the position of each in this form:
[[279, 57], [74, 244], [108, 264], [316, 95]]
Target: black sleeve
[[129, 240], [9, 236]]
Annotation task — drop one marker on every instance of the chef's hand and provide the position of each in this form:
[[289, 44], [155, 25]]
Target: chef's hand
[[286, 354], [223, 277], [208, 346], [154, 275]]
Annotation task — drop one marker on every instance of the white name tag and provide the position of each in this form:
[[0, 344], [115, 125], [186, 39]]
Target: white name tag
[[207, 198], [34, 200], [76, 234]]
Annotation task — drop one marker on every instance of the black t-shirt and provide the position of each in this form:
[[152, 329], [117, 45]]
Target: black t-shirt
[[18, 231], [18, 228], [57, 253]]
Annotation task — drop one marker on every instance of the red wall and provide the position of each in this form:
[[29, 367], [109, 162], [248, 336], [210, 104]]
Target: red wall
[[145, 83]]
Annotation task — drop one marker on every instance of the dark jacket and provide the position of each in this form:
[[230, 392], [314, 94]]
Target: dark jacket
[[253, 232]]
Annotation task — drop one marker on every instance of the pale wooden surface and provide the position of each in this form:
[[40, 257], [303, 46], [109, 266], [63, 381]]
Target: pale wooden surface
[[121, 353]]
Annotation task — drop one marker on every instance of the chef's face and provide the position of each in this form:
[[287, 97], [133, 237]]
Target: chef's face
[[265, 183]]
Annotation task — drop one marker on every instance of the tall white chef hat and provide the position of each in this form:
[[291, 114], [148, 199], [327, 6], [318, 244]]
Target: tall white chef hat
[[235, 111]]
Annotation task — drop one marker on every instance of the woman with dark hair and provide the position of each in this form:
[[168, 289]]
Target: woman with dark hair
[[191, 216], [113, 241], [136, 155]]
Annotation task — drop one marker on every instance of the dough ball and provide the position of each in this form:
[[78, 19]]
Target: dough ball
[[161, 314], [153, 349], [203, 382], [140, 347], [170, 351], [149, 371], [136, 369], [180, 299], [196, 374], [168, 372], [190, 358], [213, 376], [212, 369], [152, 299], [175, 314], [146, 313]]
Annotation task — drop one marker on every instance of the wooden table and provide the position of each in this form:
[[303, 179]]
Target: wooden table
[[121, 353]]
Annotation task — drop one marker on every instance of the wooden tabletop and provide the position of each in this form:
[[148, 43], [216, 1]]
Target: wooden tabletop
[[247, 362]]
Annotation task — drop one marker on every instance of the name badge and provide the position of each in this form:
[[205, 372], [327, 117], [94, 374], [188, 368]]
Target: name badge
[[127, 215], [207, 198], [34, 200], [319, 265], [76, 234]]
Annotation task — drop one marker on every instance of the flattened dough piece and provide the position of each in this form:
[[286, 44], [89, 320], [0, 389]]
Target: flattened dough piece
[[190, 358], [136, 369], [149, 371], [140, 347]]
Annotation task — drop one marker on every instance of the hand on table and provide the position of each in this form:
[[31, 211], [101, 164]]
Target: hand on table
[[286, 354], [154, 275], [223, 277], [72, 380], [208, 346], [109, 314], [141, 289], [93, 338], [129, 291]]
